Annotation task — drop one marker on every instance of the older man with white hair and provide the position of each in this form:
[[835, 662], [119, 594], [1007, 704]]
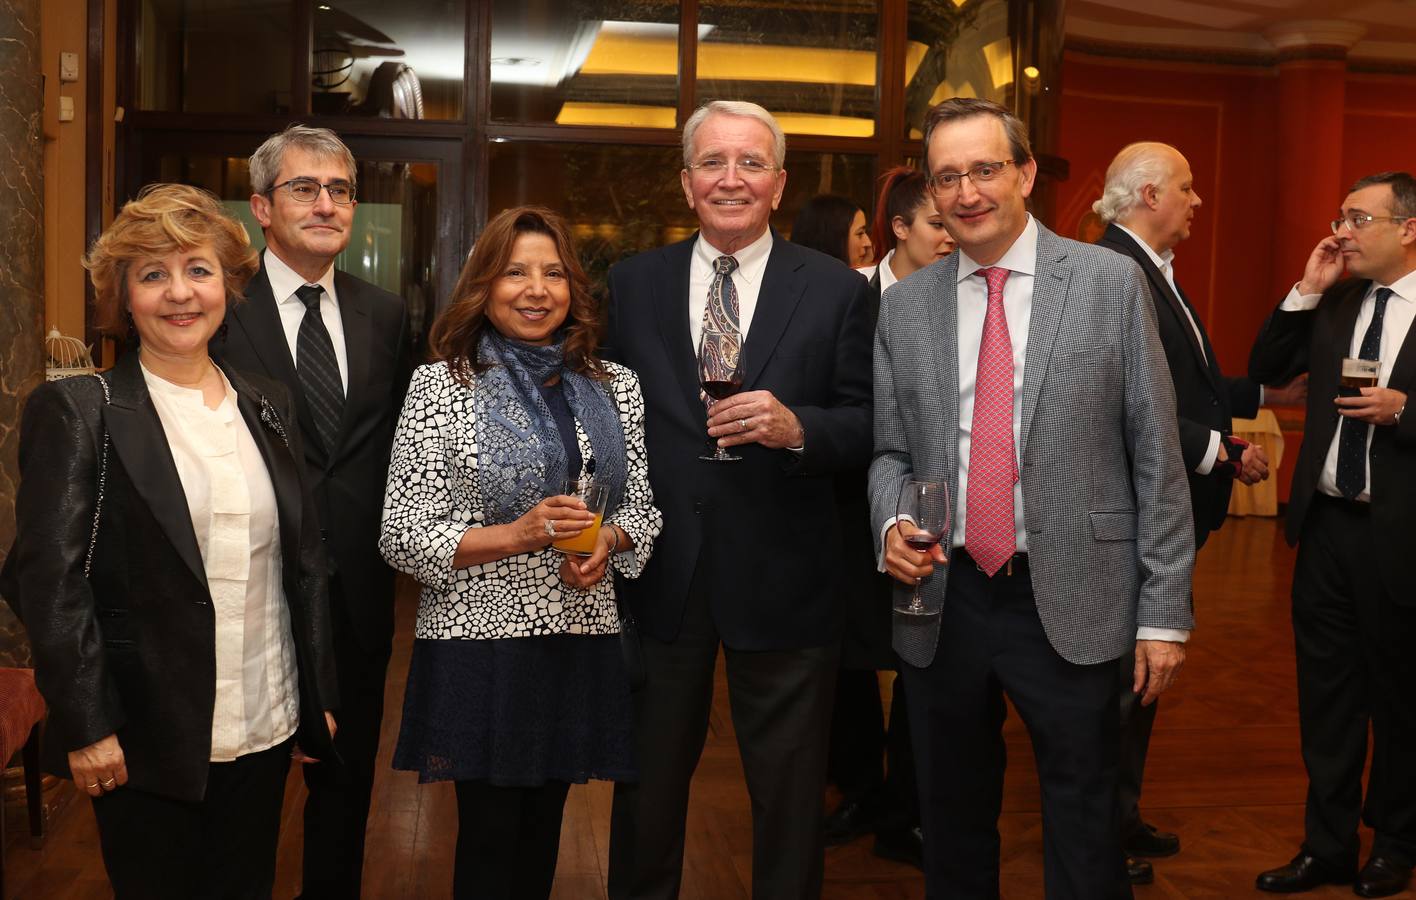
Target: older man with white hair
[[751, 540], [1149, 202]]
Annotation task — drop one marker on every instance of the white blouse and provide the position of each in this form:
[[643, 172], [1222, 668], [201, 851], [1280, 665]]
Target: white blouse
[[236, 521]]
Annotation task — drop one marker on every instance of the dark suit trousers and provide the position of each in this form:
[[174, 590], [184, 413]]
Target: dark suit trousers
[[781, 710], [1355, 665], [860, 740], [991, 641], [221, 848], [337, 809]]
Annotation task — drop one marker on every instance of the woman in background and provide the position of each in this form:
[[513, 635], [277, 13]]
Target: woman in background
[[874, 767], [835, 226], [517, 686]]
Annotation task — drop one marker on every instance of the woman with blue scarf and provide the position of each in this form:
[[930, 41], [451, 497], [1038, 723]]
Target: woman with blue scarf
[[517, 686]]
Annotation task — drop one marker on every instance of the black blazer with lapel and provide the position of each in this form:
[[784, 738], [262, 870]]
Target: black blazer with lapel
[[1206, 400], [348, 479], [760, 538], [1315, 341], [131, 648]]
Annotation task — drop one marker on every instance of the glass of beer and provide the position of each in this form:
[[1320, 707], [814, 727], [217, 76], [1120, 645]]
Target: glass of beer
[[1357, 374], [593, 494]]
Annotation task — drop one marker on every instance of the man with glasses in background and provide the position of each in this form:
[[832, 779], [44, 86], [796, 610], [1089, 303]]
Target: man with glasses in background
[[341, 345], [1025, 371], [749, 548], [1352, 513]]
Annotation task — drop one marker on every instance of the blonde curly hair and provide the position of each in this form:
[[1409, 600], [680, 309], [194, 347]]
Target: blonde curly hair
[[163, 219]]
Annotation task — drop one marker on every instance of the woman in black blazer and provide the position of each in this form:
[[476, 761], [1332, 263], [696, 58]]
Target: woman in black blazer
[[168, 568]]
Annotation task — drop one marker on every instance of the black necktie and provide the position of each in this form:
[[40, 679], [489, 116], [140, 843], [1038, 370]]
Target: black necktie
[[1352, 442], [318, 368]]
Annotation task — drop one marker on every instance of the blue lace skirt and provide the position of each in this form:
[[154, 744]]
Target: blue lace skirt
[[518, 711]]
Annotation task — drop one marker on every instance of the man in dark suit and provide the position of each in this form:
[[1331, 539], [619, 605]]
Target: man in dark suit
[[1352, 513], [1025, 372], [1149, 200], [745, 556], [341, 345]]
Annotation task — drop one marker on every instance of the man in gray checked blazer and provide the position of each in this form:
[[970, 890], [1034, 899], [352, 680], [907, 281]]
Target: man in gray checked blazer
[[1025, 371]]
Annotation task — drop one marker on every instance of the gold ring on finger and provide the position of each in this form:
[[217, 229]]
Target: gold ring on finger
[[109, 783], [91, 786], [742, 425]]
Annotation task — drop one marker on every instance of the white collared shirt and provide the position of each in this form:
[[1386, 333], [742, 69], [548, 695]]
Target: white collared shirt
[[284, 282], [1396, 322], [887, 274], [747, 281], [234, 515], [1165, 262]]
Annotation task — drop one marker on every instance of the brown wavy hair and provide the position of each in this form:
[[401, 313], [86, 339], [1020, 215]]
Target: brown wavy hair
[[458, 330], [165, 218]]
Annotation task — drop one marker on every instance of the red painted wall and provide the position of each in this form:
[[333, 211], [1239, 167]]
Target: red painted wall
[[1225, 119]]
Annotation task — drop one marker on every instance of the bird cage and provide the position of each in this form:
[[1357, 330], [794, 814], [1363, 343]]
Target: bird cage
[[65, 356]]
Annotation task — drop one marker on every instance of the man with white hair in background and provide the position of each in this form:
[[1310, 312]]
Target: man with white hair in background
[[1148, 202]]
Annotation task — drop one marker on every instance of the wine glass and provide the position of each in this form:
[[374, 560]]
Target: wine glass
[[720, 368], [924, 503]]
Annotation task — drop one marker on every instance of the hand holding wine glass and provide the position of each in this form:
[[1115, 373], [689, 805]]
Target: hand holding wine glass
[[720, 370], [922, 520]]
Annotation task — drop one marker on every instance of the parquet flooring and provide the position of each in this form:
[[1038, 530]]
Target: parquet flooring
[[1224, 773]]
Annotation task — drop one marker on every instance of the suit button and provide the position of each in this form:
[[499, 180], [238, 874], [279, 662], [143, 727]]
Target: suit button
[[697, 506], [1214, 401]]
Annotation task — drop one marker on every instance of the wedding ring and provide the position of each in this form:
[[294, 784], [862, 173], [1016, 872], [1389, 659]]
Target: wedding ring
[[742, 424], [109, 783], [94, 785], [550, 528]]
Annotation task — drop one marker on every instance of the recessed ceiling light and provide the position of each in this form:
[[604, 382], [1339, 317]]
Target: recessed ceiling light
[[515, 61], [1031, 72]]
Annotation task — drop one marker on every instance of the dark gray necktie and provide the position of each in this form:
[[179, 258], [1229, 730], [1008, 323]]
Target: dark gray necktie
[[1352, 442], [318, 368]]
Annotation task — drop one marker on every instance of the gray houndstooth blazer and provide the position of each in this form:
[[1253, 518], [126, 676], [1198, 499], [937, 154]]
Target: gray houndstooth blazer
[[1105, 499]]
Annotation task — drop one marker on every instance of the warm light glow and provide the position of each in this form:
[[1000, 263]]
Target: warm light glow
[[1031, 72], [999, 56], [620, 54], [628, 115], [622, 114]]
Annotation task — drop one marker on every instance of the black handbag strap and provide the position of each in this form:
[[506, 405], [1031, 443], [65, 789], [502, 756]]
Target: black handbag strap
[[102, 481]]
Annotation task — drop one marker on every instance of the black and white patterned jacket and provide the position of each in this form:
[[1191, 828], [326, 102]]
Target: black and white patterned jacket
[[434, 496]]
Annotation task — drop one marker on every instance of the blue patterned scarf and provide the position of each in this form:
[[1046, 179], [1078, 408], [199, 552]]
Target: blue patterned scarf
[[520, 457]]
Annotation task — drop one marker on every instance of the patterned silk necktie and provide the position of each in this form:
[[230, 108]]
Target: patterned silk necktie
[[318, 368], [718, 359], [989, 530], [1352, 442]]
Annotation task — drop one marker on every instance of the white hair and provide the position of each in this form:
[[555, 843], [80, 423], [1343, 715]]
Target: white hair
[[733, 108], [1136, 166]]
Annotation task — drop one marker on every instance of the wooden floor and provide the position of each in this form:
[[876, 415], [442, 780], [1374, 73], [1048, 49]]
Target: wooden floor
[[1224, 773]]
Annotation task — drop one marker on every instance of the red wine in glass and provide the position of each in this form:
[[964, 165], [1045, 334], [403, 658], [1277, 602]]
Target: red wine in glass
[[922, 519], [720, 366], [721, 390]]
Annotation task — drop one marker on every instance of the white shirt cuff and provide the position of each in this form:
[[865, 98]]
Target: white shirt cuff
[[1262, 396], [1174, 635], [1296, 302], [1211, 455]]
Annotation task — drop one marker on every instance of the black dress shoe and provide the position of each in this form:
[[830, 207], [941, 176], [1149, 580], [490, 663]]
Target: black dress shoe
[[1139, 871], [905, 846], [851, 819], [1302, 874], [1152, 843], [1381, 877]]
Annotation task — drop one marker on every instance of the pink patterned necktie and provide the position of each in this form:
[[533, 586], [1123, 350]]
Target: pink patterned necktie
[[989, 531]]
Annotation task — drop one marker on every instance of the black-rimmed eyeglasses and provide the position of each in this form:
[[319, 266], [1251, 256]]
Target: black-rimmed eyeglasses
[[307, 190]]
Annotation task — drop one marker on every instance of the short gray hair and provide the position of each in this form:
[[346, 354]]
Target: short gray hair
[[1137, 165], [733, 108], [320, 142]]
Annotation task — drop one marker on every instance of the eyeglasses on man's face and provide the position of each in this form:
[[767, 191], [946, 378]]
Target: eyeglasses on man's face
[[1358, 221], [307, 190], [947, 184], [749, 167]]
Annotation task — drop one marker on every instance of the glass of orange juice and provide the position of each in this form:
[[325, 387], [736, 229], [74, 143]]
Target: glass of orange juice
[[594, 494]]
